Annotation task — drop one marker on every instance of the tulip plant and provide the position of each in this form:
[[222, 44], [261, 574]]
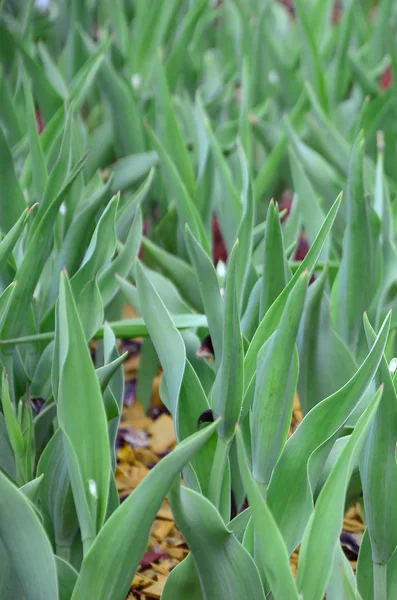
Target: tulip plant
[[129, 131]]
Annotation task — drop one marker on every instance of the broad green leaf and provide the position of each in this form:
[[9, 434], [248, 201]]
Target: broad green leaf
[[378, 468], [276, 379], [9, 118], [244, 269], [274, 275], [9, 241], [150, 27], [169, 132], [39, 170], [86, 439], [168, 293], [187, 210], [229, 385], [208, 286], [100, 250], [307, 449], [319, 544], [123, 262], [67, 577], [165, 337], [26, 543], [189, 413], [12, 201], [32, 489], [130, 169], [129, 526], [125, 116], [183, 581], [106, 372], [177, 56], [57, 177], [33, 262], [224, 567], [56, 495], [48, 97], [309, 205], [230, 207], [358, 276], [272, 552], [322, 175], [77, 238], [325, 363], [13, 429], [177, 270], [147, 371], [271, 319], [342, 582], [313, 64], [7, 460]]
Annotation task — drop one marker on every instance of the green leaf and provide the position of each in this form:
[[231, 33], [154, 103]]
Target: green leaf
[[32, 489], [276, 379], [165, 337], [230, 208], [342, 582], [74, 244], [67, 577], [106, 372], [39, 170], [177, 270], [130, 169], [26, 543], [307, 449], [187, 210], [274, 275], [7, 460], [33, 262], [244, 268], [319, 543], [10, 240], [272, 552], [271, 319], [183, 581], [169, 132], [224, 567], [56, 495], [359, 272], [13, 429], [325, 363], [378, 467], [148, 369], [123, 262], [12, 201], [229, 384], [177, 56], [129, 526], [313, 64], [309, 205], [57, 176], [208, 285], [86, 438]]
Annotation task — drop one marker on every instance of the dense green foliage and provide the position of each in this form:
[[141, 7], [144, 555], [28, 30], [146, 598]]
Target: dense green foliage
[[127, 125]]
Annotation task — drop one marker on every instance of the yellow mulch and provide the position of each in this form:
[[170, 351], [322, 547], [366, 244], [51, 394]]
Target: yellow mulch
[[156, 437]]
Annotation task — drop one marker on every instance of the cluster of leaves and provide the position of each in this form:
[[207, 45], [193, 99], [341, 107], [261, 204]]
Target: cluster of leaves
[[130, 124]]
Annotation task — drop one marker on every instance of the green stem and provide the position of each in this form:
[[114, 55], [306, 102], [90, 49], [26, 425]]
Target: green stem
[[218, 471], [380, 581]]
